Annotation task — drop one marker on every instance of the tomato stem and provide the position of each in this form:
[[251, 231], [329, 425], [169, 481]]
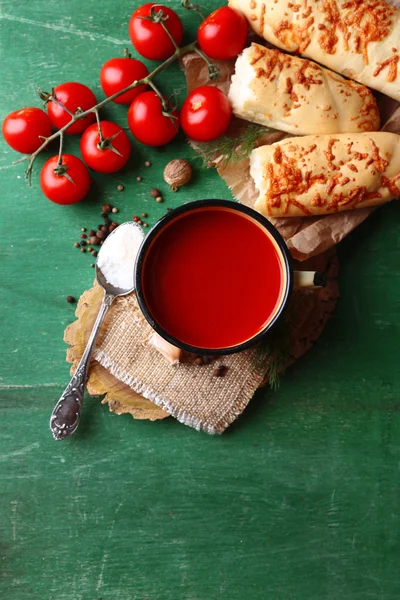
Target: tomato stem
[[213, 70], [96, 112], [167, 31], [60, 150], [190, 6], [179, 52], [159, 94], [52, 98]]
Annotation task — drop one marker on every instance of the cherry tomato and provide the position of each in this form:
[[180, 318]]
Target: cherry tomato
[[24, 129], [223, 34], [147, 122], [73, 95], [115, 152], [117, 73], [206, 114], [58, 187], [150, 39]]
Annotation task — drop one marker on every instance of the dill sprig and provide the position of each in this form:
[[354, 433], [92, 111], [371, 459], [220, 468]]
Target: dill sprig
[[231, 149], [273, 353]]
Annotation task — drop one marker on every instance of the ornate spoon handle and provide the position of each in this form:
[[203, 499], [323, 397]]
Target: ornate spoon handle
[[66, 415]]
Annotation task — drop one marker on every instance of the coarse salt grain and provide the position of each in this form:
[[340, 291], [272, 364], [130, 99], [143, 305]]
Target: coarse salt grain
[[117, 257]]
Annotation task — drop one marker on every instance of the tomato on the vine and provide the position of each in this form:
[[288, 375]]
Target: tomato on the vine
[[109, 155], [206, 114], [25, 129], [73, 96], [117, 73], [223, 34], [67, 183], [148, 123], [149, 38]]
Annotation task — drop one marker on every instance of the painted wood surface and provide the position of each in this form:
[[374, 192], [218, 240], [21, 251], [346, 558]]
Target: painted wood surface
[[297, 501]]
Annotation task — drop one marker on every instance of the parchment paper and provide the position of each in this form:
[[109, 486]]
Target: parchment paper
[[304, 236]]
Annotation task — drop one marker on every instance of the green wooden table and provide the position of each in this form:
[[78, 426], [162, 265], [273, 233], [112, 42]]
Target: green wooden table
[[298, 500]]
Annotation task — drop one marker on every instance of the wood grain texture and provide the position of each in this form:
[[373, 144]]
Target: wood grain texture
[[298, 501]]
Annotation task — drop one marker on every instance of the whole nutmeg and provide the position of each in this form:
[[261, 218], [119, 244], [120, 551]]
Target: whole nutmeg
[[178, 172]]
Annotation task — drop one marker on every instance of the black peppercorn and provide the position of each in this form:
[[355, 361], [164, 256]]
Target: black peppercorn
[[106, 208], [94, 253], [70, 299], [154, 193], [221, 371], [83, 243]]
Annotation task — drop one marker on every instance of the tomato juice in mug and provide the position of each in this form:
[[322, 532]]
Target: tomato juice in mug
[[213, 276]]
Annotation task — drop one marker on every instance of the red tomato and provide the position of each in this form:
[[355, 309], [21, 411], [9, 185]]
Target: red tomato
[[58, 187], [206, 114], [223, 34], [105, 160], [73, 95], [24, 129], [147, 122], [117, 73], [150, 39]]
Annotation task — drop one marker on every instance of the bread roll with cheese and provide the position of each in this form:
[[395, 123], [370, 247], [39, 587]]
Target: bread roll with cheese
[[357, 38], [322, 174], [298, 96]]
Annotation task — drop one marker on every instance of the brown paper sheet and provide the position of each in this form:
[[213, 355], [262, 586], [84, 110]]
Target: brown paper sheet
[[304, 236]]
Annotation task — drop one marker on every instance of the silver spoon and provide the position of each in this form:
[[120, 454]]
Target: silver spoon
[[66, 415]]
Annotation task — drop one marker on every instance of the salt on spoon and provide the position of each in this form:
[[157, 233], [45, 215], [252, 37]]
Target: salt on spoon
[[115, 273]]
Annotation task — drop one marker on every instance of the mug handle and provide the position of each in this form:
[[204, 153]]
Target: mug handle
[[308, 279]]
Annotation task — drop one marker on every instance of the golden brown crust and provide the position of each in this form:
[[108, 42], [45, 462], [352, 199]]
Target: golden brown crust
[[358, 38], [298, 96], [317, 175]]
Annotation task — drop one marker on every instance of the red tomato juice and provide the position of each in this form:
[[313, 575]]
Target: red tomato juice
[[213, 278]]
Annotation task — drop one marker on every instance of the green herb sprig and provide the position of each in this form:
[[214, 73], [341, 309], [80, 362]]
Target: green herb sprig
[[273, 353], [232, 149]]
